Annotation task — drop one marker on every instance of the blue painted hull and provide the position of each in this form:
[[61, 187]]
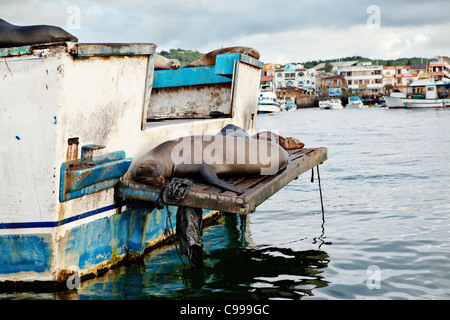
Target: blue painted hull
[[96, 242]]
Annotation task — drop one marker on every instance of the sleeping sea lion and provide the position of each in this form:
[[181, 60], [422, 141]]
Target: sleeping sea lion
[[162, 63], [16, 36], [209, 59], [210, 156], [288, 143]]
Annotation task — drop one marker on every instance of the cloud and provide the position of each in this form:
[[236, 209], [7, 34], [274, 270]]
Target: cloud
[[290, 29], [327, 43]]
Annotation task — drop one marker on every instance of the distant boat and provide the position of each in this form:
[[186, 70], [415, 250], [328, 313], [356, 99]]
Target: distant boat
[[425, 93], [288, 105], [330, 104], [354, 103], [268, 103]]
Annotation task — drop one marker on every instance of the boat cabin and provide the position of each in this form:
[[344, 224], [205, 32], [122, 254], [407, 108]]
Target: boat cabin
[[428, 88]]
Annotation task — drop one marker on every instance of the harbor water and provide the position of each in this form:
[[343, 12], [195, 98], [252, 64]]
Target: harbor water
[[384, 233]]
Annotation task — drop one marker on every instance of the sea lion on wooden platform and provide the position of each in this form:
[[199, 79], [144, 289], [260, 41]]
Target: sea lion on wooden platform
[[209, 59], [162, 63], [16, 36], [210, 156], [288, 143]]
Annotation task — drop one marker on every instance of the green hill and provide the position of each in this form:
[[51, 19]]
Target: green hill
[[185, 56], [380, 62]]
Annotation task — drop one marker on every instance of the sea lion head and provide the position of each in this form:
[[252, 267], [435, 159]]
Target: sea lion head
[[174, 63], [150, 172], [252, 52], [45, 33]]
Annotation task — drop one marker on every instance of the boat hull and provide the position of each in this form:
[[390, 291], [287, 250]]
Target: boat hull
[[396, 102], [426, 103], [358, 105], [91, 242], [268, 108], [59, 215]]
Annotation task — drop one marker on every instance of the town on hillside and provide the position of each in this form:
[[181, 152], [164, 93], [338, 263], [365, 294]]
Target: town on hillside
[[347, 78]]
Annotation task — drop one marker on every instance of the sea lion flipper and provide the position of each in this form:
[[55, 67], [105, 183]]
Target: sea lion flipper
[[212, 178]]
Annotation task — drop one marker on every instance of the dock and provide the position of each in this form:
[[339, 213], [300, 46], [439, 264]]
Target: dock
[[257, 188]]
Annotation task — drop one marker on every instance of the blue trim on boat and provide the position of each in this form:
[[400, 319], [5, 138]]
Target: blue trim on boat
[[53, 224]]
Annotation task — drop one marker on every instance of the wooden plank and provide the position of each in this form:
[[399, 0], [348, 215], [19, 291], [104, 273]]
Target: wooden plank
[[257, 189]]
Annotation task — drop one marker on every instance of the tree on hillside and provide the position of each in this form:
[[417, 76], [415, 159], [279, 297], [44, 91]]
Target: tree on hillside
[[328, 67], [185, 56]]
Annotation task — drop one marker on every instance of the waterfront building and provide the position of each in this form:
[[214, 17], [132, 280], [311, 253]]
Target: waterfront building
[[440, 68], [399, 77], [419, 71], [363, 76], [269, 69], [296, 76], [267, 76], [327, 80]]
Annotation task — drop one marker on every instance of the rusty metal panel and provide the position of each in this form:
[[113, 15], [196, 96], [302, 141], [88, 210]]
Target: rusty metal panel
[[112, 49], [257, 188], [190, 101]]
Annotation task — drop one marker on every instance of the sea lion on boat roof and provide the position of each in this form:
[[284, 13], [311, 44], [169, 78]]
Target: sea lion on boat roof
[[209, 59], [162, 63], [210, 156], [16, 36]]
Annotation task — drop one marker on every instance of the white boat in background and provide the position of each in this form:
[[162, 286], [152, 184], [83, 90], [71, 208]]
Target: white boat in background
[[355, 103], [330, 104], [288, 105], [424, 93], [268, 103], [394, 101]]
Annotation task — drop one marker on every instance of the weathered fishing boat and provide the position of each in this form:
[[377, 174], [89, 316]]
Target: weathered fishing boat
[[422, 93], [72, 119]]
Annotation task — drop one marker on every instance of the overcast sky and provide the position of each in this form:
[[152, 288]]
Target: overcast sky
[[283, 31]]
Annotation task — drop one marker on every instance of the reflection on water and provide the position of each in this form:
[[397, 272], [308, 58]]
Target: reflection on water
[[234, 269]]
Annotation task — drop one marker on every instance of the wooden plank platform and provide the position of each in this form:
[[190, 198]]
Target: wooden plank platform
[[257, 188]]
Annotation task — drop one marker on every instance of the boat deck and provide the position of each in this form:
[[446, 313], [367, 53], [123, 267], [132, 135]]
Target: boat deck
[[257, 188]]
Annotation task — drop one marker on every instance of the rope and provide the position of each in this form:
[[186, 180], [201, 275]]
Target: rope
[[320, 189], [171, 233]]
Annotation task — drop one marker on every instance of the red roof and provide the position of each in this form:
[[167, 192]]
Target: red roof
[[266, 78]]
